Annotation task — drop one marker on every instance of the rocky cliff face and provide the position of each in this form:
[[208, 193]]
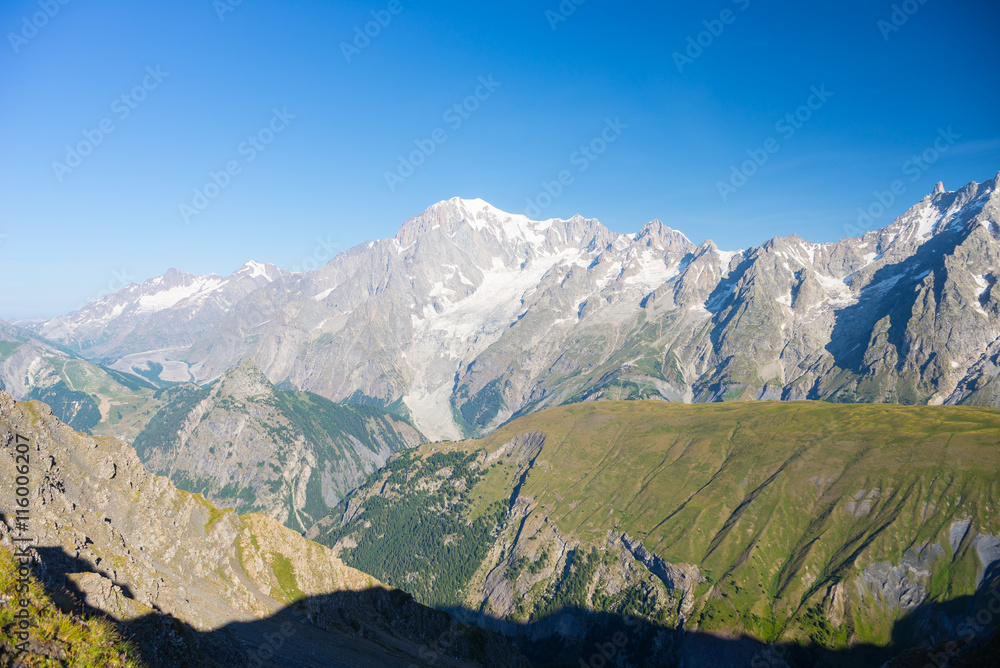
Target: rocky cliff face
[[136, 548], [247, 445], [470, 315]]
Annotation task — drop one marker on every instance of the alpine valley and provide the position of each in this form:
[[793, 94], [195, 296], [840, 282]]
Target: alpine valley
[[490, 440]]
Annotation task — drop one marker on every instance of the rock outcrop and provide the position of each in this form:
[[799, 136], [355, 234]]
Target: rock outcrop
[[109, 535], [245, 444]]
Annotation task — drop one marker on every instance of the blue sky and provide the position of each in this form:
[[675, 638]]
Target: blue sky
[[344, 118]]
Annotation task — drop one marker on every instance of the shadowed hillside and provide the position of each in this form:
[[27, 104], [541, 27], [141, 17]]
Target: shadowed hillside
[[380, 627]]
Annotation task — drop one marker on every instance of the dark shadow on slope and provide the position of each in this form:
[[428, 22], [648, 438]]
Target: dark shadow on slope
[[54, 564], [891, 292], [388, 628]]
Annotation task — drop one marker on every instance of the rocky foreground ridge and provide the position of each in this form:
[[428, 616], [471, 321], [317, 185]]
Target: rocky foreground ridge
[[195, 584]]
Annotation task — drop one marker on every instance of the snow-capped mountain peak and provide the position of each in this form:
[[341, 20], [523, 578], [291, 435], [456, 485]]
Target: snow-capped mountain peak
[[452, 214], [254, 269], [470, 314]]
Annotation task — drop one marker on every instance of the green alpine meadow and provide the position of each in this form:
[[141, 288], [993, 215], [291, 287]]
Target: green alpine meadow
[[844, 530]]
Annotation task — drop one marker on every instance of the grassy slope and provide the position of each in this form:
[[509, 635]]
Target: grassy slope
[[94, 399], [758, 495], [628, 463], [733, 488], [57, 638], [126, 403]]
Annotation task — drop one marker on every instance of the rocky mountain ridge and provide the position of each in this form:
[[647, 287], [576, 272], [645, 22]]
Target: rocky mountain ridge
[[87, 396], [195, 584], [470, 316], [138, 324], [245, 444]]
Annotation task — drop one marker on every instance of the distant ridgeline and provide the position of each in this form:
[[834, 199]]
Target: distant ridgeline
[[470, 316]]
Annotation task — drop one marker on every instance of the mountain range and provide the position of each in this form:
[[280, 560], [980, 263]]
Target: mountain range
[[816, 481], [640, 532], [469, 316], [87, 396]]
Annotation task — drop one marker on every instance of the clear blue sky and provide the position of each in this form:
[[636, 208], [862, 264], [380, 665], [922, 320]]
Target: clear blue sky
[[323, 175]]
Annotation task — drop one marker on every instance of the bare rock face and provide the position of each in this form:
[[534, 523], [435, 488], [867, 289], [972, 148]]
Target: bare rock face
[[891, 586], [94, 501], [100, 593], [245, 382], [471, 315], [681, 578], [134, 547]]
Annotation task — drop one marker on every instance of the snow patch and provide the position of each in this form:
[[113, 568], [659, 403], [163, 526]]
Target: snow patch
[[512, 226], [653, 271], [256, 269], [160, 301], [837, 290], [982, 285], [700, 309], [725, 257], [929, 217], [613, 271]]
